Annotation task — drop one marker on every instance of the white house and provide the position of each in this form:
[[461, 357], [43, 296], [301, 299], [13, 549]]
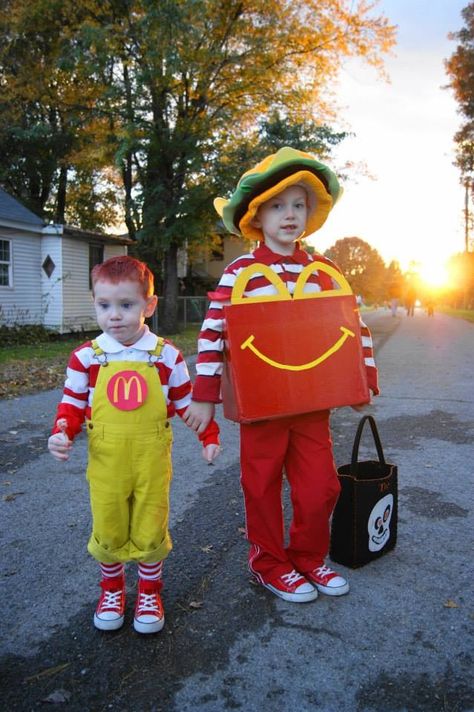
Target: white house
[[44, 269]]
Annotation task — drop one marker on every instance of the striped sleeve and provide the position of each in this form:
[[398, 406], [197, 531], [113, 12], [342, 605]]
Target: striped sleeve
[[75, 397], [209, 364], [368, 353]]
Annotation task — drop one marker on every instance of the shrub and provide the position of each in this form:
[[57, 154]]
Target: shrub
[[24, 334]]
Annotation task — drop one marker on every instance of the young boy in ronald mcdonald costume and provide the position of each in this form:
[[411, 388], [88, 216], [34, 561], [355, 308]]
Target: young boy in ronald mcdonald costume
[[286, 196], [126, 384]]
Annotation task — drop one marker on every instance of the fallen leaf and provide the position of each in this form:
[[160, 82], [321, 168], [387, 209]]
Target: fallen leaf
[[11, 497], [242, 530], [207, 549], [47, 672], [450, 604], [196, 604], [57, 697]]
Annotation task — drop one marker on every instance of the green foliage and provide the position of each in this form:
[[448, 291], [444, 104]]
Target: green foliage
[[25, 334], [168, 94], [460, 69], [362, 266]]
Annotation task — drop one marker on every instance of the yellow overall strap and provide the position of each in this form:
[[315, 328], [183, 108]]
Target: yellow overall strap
[[99, 353], [158, 348]]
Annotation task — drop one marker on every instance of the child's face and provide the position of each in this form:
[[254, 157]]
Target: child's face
[[121, 309], [282, 219]]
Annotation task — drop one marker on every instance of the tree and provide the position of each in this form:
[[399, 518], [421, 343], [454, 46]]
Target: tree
[[461, 280], [53, 146], [182, 85], [362, 266], [460, 69]]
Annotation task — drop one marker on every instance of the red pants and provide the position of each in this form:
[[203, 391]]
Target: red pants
[[302, 445]]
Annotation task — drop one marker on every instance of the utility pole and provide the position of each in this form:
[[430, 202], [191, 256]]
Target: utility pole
[[466, 215]]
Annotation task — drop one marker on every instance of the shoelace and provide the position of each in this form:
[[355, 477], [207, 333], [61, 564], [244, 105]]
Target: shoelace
[[111, 599], [324, 571], [148, 602], [292, 577]]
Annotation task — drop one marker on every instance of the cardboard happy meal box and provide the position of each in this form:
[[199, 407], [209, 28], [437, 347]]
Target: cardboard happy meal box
[[287, 355]]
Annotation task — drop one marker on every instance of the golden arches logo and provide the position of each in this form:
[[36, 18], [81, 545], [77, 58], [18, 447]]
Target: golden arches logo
[[127, 390], [127, 384], [282, 294]]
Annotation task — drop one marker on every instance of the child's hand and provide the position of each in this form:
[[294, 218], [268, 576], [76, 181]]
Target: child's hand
[[198, 416], [59, 444], [210, 452]]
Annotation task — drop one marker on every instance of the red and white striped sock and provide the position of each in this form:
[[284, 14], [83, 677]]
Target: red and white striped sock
[[151, 571], [111, 570]]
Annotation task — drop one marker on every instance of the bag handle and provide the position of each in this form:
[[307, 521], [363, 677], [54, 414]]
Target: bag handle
[[355, 449]]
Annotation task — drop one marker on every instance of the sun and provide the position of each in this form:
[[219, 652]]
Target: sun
[[434, 273]]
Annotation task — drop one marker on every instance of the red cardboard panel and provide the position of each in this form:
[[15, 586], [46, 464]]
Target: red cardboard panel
[[292, 356]]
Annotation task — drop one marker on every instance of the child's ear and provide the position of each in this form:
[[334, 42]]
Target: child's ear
[[256, 222], [151, 303]]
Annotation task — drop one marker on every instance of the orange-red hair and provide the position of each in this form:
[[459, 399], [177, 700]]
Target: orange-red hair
[[124, 268]]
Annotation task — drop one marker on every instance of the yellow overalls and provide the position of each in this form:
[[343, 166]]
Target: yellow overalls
[[129, 470]]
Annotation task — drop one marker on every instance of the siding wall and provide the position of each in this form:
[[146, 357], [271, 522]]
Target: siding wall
[[21, 303], [51, 287], [62, 302], [78, 310]]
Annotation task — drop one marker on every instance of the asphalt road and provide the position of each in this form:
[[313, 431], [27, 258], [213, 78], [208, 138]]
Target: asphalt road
[[400, 641]]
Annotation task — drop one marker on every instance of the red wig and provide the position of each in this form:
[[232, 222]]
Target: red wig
[[124, 269]]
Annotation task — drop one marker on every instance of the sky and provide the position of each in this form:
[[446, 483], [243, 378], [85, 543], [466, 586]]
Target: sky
[[412, 207]]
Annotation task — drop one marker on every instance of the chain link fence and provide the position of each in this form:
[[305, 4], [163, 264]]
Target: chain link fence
[[191, 310]]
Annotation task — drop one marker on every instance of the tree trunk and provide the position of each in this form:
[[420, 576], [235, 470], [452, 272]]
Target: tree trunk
[[61, 196], [169, 312]]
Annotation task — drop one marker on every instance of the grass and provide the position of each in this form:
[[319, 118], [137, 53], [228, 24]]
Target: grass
[[186, 341], [467, 314]]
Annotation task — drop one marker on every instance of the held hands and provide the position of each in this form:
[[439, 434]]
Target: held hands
[[198, 416], [59, 444]]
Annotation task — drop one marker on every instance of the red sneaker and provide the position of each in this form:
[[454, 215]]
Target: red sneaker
[[291, 587], [110, 610], [149, 613], [328, 581]]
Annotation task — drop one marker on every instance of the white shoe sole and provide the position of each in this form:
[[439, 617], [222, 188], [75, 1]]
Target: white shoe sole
[[293, 597], [154, 627], [113, 624], [328, 591]]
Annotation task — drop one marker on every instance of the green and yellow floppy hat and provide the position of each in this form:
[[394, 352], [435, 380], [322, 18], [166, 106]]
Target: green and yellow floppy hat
[[275, 173]]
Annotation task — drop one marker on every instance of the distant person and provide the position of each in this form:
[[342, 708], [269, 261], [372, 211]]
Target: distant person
[[287, 195], [126, 384], [410, 301], [430, 305], [394, 293]]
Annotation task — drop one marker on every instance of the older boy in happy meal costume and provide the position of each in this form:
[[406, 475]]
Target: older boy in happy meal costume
[[281, 323], [127, 384]]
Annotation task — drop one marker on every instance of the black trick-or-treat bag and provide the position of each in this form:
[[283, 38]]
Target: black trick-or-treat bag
[[364, 522]]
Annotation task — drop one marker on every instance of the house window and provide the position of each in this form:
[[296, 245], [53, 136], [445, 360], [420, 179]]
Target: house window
[[5, 263], [96, 257]]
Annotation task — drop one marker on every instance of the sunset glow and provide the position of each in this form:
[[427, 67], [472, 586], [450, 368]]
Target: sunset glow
[[434, 273]]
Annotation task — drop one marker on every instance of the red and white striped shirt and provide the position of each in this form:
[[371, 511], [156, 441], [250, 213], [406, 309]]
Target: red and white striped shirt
[[211, 342], [83, 369]]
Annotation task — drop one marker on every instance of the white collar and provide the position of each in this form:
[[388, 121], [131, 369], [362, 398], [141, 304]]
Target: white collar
[[146, 342]]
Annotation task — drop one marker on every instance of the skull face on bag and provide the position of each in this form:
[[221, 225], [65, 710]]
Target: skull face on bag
[[379, 523]]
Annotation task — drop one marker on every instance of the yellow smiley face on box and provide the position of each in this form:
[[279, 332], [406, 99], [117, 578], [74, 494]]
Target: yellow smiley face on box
[[292, 354]]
